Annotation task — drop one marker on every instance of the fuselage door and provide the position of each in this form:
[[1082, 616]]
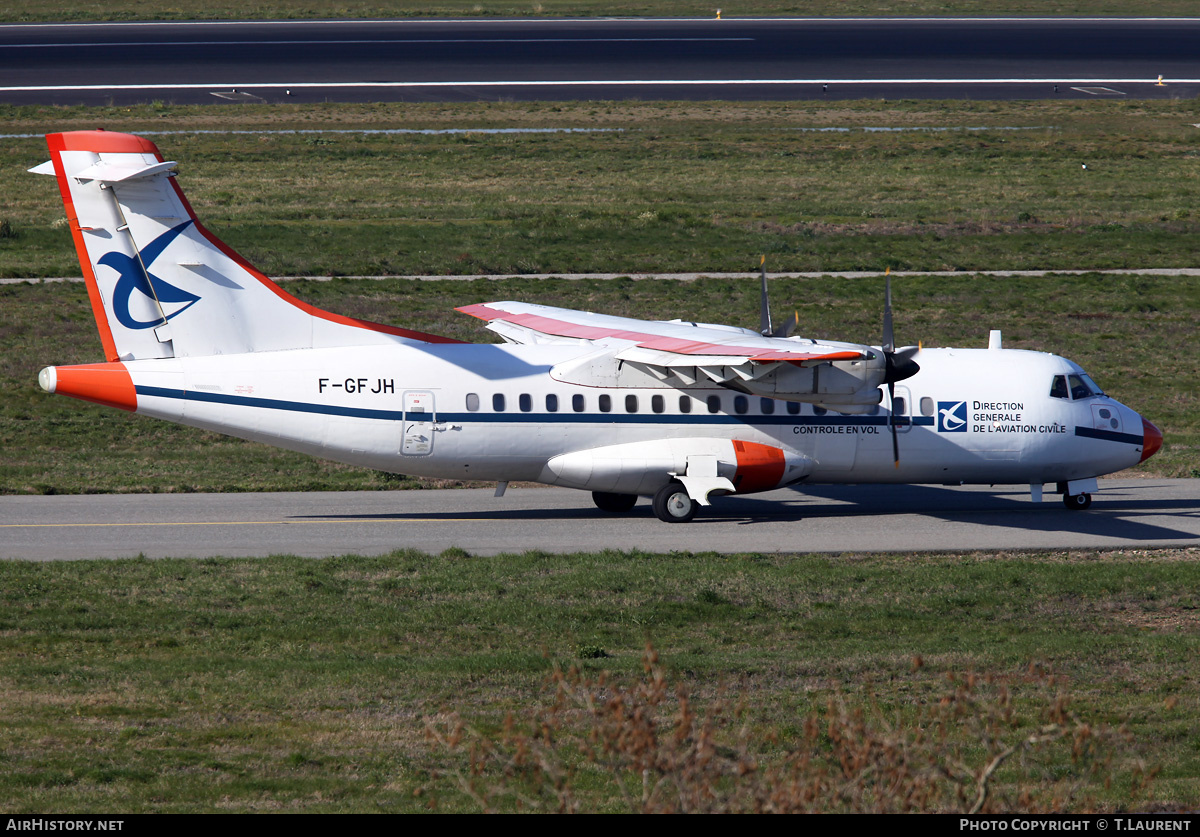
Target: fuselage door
[[419, 418]]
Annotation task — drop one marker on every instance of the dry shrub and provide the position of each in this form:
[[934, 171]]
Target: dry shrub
[[975, 748]]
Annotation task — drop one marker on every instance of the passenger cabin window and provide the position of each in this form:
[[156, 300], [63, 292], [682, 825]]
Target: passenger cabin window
[[657, 403], [551, 403], [473, 401], [767, 405], [498, 402], [685, 404], [577, 403], [926, 406], [741, 404], [631, 404], [793, 408], [525, 402], [605, 403], [714, 403], [899, 407], [1058, 387]]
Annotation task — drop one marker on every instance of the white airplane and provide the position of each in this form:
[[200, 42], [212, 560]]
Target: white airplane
[[676, 411]]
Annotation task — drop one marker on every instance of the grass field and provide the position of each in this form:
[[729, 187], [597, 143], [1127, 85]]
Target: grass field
[[28, 10], [299, 685], [662, 187]]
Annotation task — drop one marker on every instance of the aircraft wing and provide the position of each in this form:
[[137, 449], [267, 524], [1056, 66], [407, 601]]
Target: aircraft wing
[[656, 343]]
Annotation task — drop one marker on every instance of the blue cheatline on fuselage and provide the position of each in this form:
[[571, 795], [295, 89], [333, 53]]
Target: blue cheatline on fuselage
[[535, 417]]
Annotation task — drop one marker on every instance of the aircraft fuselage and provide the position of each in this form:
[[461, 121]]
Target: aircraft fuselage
[[496, 412]]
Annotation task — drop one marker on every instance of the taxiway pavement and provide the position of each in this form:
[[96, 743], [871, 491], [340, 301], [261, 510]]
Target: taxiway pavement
[[1142, 513]]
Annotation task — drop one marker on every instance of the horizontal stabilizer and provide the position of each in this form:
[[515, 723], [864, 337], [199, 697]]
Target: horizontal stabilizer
[[107, 172]]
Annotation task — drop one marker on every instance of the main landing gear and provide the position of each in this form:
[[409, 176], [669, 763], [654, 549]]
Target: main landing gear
[[1077, 502], [614, 503], [672, 503]]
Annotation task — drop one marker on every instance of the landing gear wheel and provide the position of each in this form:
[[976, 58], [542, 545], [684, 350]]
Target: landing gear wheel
[[614, 503], [672, 504], [1077, 502]]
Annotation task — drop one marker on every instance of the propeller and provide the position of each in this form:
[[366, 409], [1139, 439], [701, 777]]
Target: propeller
[[898, 365], [764, 320], [765, 328]]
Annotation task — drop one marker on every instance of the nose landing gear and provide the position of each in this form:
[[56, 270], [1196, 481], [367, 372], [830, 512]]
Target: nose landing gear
[[1077, 502]]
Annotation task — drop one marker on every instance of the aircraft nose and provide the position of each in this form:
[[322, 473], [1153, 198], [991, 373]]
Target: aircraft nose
[[1151, 440]]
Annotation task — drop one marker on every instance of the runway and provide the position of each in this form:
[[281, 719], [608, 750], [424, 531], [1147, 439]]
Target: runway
[[546, 59], [1131, 514]]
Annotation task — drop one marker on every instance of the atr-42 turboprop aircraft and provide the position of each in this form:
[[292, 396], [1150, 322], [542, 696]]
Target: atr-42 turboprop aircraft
[[677, 411]]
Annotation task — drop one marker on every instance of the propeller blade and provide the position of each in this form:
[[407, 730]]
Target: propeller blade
[[889, 342], [898, 364], [765, 328], [892, 423], [788, 326]]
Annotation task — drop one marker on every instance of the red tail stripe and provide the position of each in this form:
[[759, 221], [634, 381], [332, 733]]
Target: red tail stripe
[[73, 141], [103, 142]]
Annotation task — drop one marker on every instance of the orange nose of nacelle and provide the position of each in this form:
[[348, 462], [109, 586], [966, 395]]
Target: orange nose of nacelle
[[1151, 440]]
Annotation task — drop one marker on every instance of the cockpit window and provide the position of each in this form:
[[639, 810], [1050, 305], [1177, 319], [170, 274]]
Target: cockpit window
[[1092, 385], [1074, 387], [1082, 386]]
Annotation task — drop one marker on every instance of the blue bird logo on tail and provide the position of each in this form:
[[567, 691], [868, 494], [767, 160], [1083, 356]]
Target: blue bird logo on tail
[[134, 278]]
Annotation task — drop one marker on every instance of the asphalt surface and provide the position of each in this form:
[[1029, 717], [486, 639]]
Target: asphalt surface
[[489, 60], [1147, 513]]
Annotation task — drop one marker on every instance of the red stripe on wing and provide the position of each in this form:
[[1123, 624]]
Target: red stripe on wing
[[658, 342]]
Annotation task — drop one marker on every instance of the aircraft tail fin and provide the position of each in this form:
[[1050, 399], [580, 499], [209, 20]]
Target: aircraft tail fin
[[161, 285]]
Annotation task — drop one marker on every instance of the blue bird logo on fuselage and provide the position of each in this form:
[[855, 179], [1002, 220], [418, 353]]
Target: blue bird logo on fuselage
[[134, 278], [952, 416]]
